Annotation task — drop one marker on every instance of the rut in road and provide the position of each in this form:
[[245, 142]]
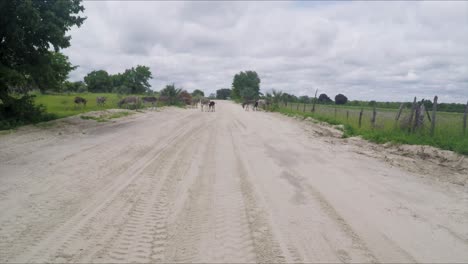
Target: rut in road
[[225, 186]]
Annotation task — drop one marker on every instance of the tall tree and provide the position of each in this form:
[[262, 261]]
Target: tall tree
[[28, 30], [340, 99], [246, 84], [137, 79], [98, 82]]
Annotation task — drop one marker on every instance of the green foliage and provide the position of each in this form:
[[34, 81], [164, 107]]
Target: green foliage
[[137, 79], [132, 81], [106, 117], [22, 111], [223, 94], [75, 87], [340, 99], [448, 132], [98, 81], [323, 98], [246, 86], [172, 94], [198, 93], [28, 31]]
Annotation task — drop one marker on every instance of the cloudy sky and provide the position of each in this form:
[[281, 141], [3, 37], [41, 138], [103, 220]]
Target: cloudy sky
[[385, 50]]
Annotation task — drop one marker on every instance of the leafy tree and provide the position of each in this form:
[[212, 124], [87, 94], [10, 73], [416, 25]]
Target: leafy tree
[[28, 31], [223, 94], [77, 87], [304, 99], [323, 98], [198, 93], [171, 93], [212, 96], [54, 75], [246, 85], [340, 99], [137, 79], [98, 82]]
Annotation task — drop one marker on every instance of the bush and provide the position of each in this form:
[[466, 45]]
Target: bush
[[22, 111]]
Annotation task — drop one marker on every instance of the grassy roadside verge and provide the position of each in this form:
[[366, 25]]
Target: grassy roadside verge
[[448, 139], [106, 117]]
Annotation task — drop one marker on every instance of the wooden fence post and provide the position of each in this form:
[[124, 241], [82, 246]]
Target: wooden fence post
[[303, 110], [335, 112], [419, 116], [347, 115], [297, 107], [290, 104], [315, 100], [410, 121], [464, 118], [399, 112], [374, 113], [360, 117], [397, 117], [434, 110]]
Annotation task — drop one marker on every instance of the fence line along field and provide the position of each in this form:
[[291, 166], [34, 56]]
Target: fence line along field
[[449, 130]]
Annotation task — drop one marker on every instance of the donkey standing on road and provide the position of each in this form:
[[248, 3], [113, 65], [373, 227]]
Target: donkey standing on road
[[246, 104], [204, 103], [211, 106], [255, 106]]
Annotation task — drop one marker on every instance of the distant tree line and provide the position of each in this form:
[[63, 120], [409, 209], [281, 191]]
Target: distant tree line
[[341, 99], [132, 81]]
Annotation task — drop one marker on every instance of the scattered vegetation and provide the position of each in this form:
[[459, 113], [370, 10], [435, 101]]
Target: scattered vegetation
[[448, 131], [106, 117]]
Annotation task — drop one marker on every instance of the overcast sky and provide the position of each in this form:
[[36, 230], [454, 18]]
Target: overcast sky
[[385, 51]]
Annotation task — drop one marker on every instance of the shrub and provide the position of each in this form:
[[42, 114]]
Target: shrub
[[22, 111]]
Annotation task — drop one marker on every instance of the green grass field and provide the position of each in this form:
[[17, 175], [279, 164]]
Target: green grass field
[[62, 105], [448, 131]]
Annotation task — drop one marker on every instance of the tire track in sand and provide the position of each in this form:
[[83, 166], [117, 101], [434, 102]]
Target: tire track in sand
[[119, 194]]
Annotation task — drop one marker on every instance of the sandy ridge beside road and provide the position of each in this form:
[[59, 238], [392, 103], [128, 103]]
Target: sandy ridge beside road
[[231, 186]]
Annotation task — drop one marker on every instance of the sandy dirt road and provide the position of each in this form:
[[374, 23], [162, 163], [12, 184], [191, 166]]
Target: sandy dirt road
[[231, 186]]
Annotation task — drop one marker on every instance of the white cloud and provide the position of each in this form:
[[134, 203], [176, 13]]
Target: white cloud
[[366, 50]]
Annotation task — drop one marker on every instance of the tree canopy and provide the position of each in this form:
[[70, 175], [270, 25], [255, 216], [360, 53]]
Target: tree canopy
[[198, 93], [132, 81], [28, 30], [340, 99], [98, 81], [323, 98], [223, 94], [32, 32], [246, 85]]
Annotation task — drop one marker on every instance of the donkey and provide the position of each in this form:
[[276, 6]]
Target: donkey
[[211, 106], [128, 101], [80, 100], [246, 104], [255, 106], [204, 103], [100, 100], [150, 99]]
